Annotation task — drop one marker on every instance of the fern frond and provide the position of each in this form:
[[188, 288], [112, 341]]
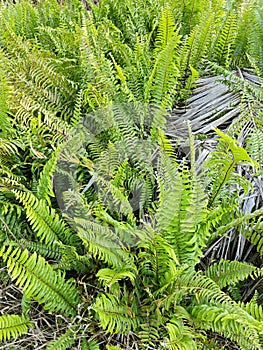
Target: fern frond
[[109, 276], [70, 259], [45, 183], [5, 120], [103, 243], [166, 29], [115, 315], [253, 309], [230, 323], [224, 45], [227, 272], [44, 220], [51, 251], [40, 281], [182, 208], [12, 326], [63, 342], [181, 336], [255, 145]]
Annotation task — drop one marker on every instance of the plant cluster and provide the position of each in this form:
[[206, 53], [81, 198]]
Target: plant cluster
[[114, 194]]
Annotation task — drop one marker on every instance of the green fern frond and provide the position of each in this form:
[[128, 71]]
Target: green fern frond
[[40, 281], [89, 345], [149, 332], [5, 120], [255, 145], [204, 289], [10, 217], [230, 323], [102, 242], [63, 342], [166, 29], [70, 259], [45, 185], [109, 276], [256, 34], [163, 79], [115, 315], [181, 336], [255, 235], [199, 40], [230, 272], [253, 309], [158, 261], [182, 208], [44, 220], [77, 111], [224, 45], [51, 251], [12, 326]]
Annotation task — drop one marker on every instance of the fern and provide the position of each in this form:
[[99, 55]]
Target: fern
[[140, 220], [227, 322], [45, 185], [65, 341], [115, 315], [12, 326], [163, 78], [44, 220], [38, 280], [226, 39], [230, 272], [102, 243], [182, 206], [253, 308], [180, 336]]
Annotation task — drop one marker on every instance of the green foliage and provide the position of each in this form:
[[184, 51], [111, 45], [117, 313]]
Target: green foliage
[[113, 268], [224, 44], [45, 221], [230, 272], [65, 341], [38, 279], [11, 326]]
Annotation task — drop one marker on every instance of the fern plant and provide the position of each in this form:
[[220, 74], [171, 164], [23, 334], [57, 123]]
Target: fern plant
[[124, 260]]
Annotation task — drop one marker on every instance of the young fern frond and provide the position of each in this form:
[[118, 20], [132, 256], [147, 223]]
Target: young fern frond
[[12, 326], [166, 30], [40, 281]]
